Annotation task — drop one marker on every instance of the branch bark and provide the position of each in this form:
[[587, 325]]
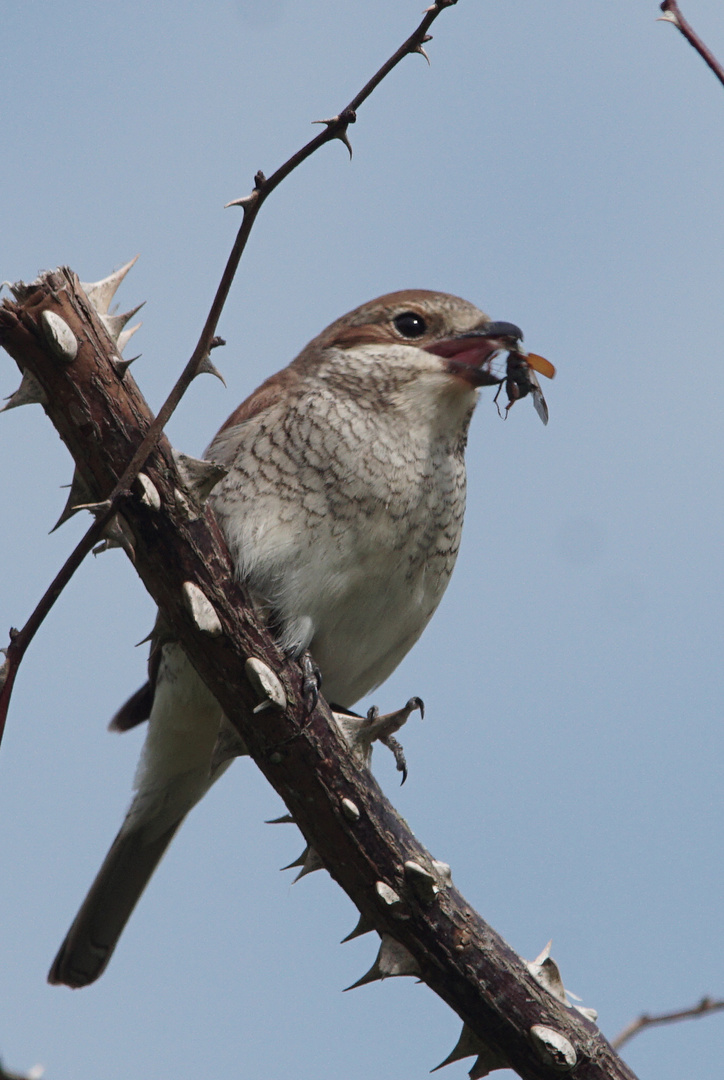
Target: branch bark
[[428, 930]]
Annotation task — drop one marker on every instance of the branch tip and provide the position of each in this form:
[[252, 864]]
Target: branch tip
[[673, 15]]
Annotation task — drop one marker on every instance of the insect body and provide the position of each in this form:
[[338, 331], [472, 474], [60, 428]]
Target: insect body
[[520, 380]]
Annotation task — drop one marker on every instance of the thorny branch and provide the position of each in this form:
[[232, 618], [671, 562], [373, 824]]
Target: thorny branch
[[514, 1014], [199, 362], [705, 1006], [673, 15]]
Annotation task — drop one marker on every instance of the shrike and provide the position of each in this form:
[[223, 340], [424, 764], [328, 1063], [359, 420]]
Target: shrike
[[342, 509]]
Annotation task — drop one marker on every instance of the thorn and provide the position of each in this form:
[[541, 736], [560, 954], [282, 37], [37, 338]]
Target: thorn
[[201, 609], [100, 293], [96, 508], [59, 336], [392, 960], [117, 532], [266, 682], [443, 873], [422, 52], [297, 862], [350, 810], [124, 337], [387, 894], [364, 925], [669, 16], [122, 366], [552, 1048], [30, 392], [246, 201], [487, 1063], [343, 138], [185, 506], [422, 882], [199, 477], [150, 494], [285, 819], [79, 492], [342, 133], [468, 1045], [311, 863], [546, 973], [114, 323], [207, 368]]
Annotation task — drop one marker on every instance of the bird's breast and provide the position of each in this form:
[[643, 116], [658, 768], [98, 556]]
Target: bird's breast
[[346, 528]]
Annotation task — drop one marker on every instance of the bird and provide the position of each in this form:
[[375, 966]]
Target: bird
[[342, 508]]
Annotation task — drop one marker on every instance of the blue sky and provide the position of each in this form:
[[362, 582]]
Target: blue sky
[[561, 166]]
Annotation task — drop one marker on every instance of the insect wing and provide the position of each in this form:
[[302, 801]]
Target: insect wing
[[539, 402]]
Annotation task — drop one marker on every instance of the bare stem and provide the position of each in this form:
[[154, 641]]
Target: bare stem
[[673, 15], [20, 639], [706, 1005]]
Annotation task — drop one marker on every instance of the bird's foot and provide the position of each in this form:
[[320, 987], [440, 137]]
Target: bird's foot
[[360, 732], [312, 681]]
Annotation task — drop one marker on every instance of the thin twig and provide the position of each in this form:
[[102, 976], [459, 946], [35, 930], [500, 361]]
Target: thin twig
[[706, 1005], [673, 15], [335, 128], [20, 639]]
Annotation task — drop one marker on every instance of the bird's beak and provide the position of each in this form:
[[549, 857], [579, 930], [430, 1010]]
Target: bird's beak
[[470, 355]]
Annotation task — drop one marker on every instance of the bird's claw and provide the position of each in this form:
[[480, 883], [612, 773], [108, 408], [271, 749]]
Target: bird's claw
[[381, 728], [399, 754], [311, 682]]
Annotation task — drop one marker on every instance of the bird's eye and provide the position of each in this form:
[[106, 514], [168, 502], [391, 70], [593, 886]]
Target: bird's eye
[[410, 324]]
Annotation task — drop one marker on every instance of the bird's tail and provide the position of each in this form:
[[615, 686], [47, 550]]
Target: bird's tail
[[125, 872]]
